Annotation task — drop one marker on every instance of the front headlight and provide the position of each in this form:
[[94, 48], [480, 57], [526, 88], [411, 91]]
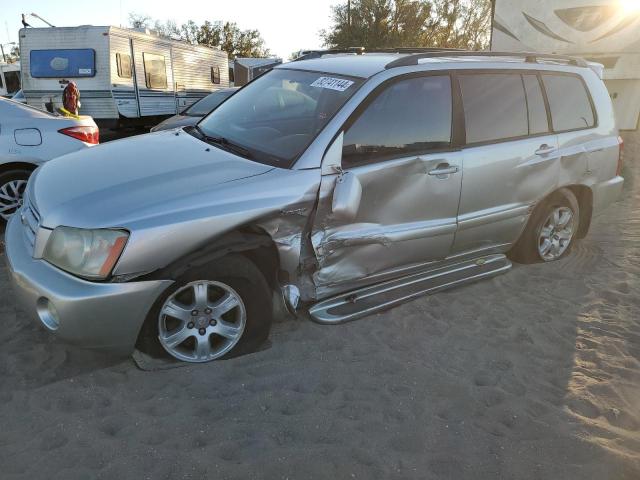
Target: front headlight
[[90, 254]]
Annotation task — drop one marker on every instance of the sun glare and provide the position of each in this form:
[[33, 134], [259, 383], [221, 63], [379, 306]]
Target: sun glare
[[630, 6]]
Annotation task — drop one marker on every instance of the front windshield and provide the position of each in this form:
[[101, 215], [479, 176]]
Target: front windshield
[[274, 118], [208, 103]]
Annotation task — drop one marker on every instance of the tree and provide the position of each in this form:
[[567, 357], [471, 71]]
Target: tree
[[410, 23], [13, 55], [228, 36], [138, 20]]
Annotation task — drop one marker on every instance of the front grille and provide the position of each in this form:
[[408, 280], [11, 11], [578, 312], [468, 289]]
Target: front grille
[[30, 220]]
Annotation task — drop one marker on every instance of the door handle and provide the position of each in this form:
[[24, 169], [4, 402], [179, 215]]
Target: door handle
[[442, 170], [545, 149]]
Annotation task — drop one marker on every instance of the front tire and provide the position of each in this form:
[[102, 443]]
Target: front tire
[[217, 310], [551, 231], [12, 186]]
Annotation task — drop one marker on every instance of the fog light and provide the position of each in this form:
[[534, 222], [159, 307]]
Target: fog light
[[48, 314]]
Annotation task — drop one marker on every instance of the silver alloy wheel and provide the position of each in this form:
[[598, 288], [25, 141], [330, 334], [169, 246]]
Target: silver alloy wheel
[[556, 234], [11, 197], [201, 321]]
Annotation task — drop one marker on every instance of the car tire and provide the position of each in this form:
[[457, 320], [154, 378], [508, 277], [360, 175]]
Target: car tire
[[239, 330], [12, 187], [551, 231]]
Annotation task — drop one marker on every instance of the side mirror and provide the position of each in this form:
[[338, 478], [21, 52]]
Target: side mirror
[[346, 196]]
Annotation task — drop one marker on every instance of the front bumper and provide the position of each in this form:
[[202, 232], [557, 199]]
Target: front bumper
[[106, 316], [605, 193]]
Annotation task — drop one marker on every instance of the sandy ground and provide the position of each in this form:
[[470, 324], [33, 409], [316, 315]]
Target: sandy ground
[[531, 375]]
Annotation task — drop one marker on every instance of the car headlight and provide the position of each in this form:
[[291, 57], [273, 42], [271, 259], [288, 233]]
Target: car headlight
[[91, 254]]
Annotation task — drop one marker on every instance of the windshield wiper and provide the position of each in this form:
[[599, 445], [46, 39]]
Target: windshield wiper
[[224, 143]]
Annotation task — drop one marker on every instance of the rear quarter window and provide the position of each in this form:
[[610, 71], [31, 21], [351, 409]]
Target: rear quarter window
[[569, 102]]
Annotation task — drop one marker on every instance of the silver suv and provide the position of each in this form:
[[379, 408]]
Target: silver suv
[[347, 183]]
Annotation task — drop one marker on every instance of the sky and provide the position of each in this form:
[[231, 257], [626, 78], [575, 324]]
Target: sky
[[285, 25]]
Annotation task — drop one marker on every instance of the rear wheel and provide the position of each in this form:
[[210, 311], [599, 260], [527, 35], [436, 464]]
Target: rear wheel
[[214, 311], [12, 186], [551, 231]]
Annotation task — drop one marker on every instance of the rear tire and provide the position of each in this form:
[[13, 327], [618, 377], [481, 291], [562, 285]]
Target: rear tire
[[551, 231], [233, 319], [12, 186]]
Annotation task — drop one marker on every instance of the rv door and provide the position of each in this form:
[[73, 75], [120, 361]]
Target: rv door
[[154, 79]]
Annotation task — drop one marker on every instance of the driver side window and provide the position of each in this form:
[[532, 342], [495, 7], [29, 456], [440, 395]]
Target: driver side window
[[409, 117]]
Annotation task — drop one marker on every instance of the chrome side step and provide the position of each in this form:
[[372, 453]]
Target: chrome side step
[[365, 301]]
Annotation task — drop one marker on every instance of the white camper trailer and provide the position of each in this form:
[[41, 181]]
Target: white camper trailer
[[125, 77], [9, 79], [606, 32]]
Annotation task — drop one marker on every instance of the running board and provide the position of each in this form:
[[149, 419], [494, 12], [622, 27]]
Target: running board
[[365, 301]]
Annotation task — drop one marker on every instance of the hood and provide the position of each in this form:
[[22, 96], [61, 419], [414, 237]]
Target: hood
[[175, 122], [119, 183]]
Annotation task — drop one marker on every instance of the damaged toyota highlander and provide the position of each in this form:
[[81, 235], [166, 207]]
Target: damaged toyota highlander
[[344, 183]]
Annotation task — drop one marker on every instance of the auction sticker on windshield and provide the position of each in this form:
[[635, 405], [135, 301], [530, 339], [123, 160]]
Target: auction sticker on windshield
[[331, 83]]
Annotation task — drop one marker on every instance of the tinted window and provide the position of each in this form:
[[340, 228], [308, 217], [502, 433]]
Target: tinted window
[[569, 102], [67, 63], [13, 81], [207, 104], [123, 63], [276, 116], [538, 122], [155, 70], [408, 117], [494, 106]]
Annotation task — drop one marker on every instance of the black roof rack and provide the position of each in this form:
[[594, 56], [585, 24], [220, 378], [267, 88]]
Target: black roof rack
[[309, 54], [529, 57]]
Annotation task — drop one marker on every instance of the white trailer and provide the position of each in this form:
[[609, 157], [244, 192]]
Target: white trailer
[[125, 77], [606, 32], [9, 79]]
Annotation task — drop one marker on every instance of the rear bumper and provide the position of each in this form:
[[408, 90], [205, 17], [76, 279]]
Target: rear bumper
[[105, 316], [606, 193]]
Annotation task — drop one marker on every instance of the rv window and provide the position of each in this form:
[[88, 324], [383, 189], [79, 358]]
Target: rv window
[[215, 74], [123, 62], [569, 102], [63, 63], [155, 70], [494, 107]]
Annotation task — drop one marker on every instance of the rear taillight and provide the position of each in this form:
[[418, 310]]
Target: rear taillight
[[84, 134], [620, 157]]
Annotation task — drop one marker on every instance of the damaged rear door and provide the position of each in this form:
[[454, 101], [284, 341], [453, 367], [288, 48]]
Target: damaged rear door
[[391, 185]]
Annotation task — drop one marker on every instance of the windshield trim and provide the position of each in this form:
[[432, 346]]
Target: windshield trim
[[289, 164]]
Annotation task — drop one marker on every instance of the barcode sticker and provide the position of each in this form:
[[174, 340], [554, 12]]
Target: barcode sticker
[[331, 83]]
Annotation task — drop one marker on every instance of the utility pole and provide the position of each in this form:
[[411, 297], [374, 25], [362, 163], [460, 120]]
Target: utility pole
[[4, 57]]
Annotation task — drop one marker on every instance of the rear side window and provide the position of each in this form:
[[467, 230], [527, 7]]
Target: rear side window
[[123, 63], [155, 70], [495, 107], [569, 102], [538, 122], [409, 117]]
